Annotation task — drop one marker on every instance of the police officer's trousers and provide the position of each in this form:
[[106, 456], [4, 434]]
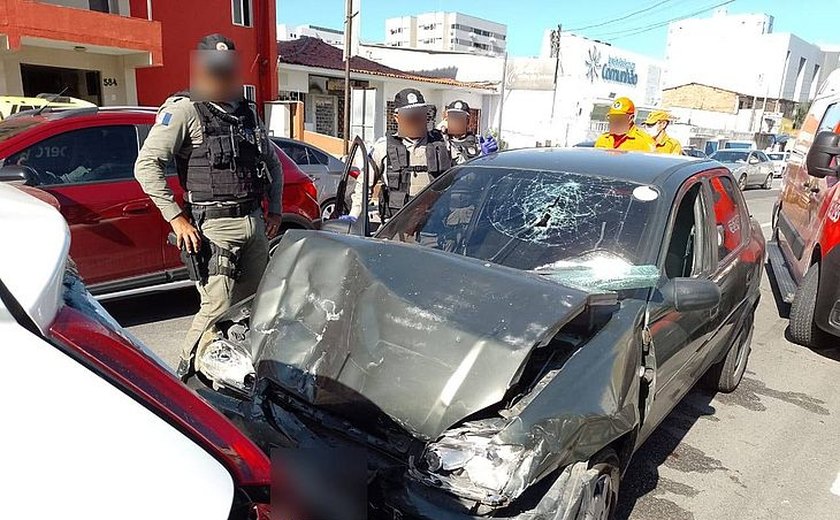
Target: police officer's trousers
[[245, 238]]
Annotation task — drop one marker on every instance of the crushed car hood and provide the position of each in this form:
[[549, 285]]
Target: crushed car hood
[[427, 337]]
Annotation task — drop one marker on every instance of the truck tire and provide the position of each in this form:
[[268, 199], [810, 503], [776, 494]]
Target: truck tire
[[726, 375], [803, 330]]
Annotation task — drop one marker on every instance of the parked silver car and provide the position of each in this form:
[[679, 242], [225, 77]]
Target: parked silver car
[[750, 167], [324, 169]]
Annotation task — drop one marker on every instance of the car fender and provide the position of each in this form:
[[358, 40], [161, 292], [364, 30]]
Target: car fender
[[596, 393]]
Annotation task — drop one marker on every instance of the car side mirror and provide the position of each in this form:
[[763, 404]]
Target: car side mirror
[[691, 294], [18, 173], [824, 150]]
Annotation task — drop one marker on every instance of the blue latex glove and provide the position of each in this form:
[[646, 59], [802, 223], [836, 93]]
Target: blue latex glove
[[347, 218], [488, 145]]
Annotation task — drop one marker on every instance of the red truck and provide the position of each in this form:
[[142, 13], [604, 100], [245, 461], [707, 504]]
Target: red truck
[[84, 158], [805, 251]]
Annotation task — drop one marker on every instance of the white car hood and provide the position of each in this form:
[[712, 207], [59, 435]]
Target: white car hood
[[35, 241]]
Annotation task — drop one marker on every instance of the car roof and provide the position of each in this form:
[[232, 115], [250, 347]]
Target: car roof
[[641, 168], [60, 113]]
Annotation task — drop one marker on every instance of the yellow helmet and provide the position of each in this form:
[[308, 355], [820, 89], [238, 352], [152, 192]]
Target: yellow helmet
[[622, 106], [657, 116]]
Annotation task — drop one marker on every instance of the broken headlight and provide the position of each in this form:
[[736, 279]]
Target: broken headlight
[[226, 364], [470, 462]]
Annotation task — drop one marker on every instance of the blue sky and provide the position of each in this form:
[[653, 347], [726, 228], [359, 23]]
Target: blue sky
[[812, 20]]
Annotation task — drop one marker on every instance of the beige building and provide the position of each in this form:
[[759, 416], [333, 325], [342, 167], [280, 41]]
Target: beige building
[[88, 49]]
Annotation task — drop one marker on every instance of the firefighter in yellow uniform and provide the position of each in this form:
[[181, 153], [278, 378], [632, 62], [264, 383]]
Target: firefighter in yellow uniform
[[657, 121], [623, 133]]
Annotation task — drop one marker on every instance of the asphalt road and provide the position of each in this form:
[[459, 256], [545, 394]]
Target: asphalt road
[[766, 451]]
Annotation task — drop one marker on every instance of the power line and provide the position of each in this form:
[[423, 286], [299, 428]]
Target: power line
[[620, 18], [615, 35]]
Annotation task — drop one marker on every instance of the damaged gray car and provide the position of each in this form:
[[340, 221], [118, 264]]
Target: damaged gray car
[[505, 343]]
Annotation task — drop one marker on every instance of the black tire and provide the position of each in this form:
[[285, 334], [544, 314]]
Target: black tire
[[742, 182], [726, 375], [327, 209], [604, 500], [768, 182], [803, 329]]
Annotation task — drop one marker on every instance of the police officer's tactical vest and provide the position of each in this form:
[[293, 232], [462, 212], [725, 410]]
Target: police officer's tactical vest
[[466, 147], [399, 172], [228, 163]]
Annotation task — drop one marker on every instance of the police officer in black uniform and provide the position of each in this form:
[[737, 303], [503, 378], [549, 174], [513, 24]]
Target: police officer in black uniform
[[227, 166], [406, 162]]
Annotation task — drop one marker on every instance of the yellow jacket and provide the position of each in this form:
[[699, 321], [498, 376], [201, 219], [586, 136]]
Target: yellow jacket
[[668, 144], [635, 140]]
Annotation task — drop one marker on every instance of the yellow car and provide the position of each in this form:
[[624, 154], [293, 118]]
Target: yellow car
[[10, 105]]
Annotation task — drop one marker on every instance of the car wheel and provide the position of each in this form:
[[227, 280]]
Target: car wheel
[[603, 494], [726, 375], [803, 330], [768, 182], [327, 209], [742, 182]]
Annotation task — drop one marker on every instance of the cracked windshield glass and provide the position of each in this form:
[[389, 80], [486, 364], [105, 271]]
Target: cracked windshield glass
[[581, 230]]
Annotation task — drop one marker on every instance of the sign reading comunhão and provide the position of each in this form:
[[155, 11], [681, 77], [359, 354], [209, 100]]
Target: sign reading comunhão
[[617, 70]]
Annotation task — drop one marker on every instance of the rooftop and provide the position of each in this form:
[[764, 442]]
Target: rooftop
[[315, 53]]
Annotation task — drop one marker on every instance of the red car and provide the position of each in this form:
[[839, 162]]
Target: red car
[[85, 159]]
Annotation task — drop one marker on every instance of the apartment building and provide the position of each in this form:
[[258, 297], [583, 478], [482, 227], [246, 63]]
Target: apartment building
[[447, 31]]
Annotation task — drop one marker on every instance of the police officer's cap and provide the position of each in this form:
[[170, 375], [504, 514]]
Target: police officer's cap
[[409, 98], [218, 53], [458, 106]]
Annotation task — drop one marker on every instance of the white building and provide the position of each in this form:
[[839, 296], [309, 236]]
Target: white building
[[741, 53], [447, 32], [590, 75], [311, 71], [332, 36]]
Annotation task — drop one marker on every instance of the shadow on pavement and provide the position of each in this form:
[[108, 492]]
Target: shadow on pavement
[[663, 447], [147, 308]]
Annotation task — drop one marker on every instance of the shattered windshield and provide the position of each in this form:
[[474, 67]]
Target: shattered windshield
[[553, 223]]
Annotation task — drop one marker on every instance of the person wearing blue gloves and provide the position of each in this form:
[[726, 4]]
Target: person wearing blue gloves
[[463, 144]]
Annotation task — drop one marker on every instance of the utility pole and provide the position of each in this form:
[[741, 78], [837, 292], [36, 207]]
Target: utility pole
[[502, 100], [348, 42], [555, 51]]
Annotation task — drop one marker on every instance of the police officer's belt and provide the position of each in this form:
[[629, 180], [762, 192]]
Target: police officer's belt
[[241, 209], [417, 169]]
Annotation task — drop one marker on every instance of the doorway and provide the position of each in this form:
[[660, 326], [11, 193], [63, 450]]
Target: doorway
[[81, 84]]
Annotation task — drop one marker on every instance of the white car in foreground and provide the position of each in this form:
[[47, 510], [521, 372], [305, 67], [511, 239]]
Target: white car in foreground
[[93, 426]]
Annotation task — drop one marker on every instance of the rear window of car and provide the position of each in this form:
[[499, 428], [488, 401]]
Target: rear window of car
[[730, 156]]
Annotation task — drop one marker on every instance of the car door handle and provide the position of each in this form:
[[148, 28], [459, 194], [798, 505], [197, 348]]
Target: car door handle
[[137, 208]]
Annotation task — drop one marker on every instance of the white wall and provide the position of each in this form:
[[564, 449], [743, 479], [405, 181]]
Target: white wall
[[124, 93], [454, 65], [742, 54], [292, 80]]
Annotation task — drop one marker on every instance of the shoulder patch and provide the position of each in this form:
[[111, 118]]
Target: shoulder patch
[[164, 118]]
